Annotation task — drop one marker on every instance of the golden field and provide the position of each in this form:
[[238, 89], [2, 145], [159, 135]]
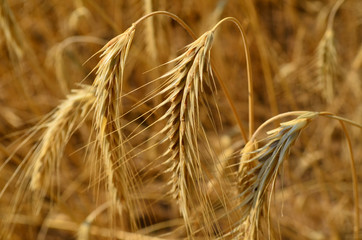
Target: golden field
[[180, 119]]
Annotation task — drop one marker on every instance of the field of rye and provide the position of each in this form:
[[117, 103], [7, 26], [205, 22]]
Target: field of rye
[[152, 120]]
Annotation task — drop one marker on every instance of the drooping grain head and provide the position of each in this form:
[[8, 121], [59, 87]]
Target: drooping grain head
[[258, 170], [107, 123], [327, 56], [327, 65], [37, 175], [185, 89], [44, 161]]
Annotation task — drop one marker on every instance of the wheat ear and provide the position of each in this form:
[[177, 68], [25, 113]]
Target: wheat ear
[[186, 89], [187, 80], [65, 119], [107, 122], [43, 160], [258, 170], [327, 57]]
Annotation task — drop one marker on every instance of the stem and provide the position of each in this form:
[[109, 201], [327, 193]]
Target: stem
[[171, 15], [232, 105], [354, 180], [332, 116], [263, 54], [333, 14], [248, 70]]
